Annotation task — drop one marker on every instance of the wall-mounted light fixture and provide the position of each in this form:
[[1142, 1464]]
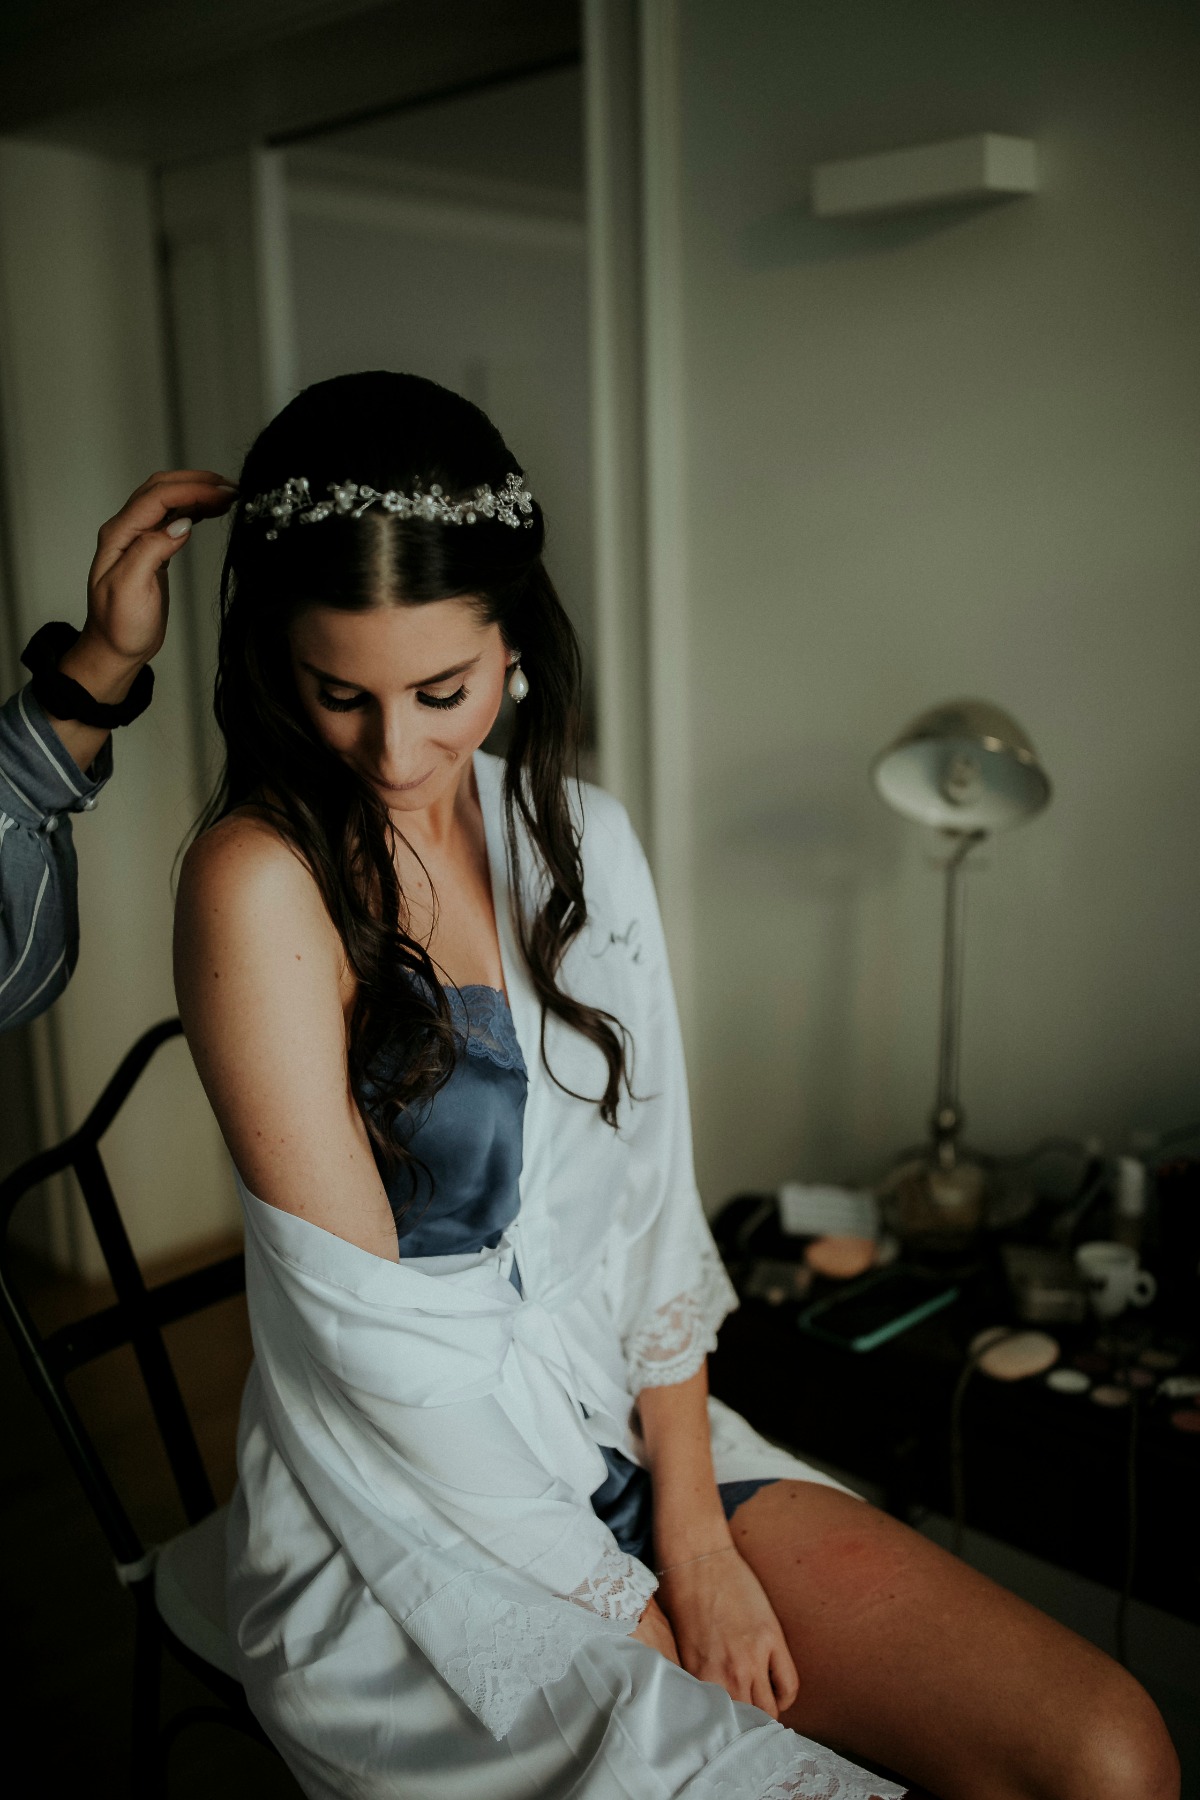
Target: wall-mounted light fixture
[[985, 167]]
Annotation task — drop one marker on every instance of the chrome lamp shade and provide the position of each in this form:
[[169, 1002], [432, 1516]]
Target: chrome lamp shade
[[964, 766]]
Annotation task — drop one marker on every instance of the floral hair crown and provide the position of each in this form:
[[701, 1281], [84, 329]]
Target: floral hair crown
[[513, 505]]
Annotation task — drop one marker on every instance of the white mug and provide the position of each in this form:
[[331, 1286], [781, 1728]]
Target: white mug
[[1111, 1275]]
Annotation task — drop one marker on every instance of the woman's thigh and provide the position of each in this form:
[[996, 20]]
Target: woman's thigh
[[910, 1658]]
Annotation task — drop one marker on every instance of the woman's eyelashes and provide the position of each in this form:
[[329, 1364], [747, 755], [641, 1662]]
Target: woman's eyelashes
[[355, 702], [455, 699], [333, 703]]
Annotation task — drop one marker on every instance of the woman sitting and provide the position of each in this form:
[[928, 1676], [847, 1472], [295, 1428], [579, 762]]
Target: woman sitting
[[491, 1536]]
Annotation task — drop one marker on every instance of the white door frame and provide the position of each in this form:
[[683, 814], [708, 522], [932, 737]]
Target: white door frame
[[227, 309], [635, 178]]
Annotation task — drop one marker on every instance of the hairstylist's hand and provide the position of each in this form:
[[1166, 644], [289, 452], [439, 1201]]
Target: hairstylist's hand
[[128, 596], [727, 1631]]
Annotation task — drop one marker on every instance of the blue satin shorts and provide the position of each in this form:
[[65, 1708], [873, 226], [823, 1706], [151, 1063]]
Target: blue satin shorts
[[626, 1504]]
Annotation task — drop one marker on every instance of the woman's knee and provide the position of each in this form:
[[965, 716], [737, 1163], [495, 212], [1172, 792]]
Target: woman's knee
[[1121, 1750]]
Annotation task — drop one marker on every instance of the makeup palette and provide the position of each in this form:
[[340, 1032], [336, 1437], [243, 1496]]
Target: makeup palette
[[1180, 1387], [840, 1258], [1012, 1356], [1068, 1381]]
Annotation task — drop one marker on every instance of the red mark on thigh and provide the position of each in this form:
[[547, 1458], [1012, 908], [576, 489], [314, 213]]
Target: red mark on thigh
[[856, 1568]]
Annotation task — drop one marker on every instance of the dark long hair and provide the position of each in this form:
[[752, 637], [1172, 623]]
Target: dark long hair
[[393, 432]]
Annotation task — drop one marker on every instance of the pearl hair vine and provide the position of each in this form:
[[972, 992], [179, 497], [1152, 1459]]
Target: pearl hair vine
[[513, 505]]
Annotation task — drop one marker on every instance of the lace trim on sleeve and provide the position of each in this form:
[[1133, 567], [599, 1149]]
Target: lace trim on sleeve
[[820, 1775], [673, 1342], [495, 1648], [794, 1769], [509, 1650], [617, 1588]]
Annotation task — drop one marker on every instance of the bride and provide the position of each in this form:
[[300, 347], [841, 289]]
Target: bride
[[491, 1536]]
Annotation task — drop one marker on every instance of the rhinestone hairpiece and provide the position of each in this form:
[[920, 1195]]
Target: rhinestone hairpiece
[[351, 500]]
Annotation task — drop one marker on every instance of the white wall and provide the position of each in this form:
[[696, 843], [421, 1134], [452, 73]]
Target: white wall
[[227, 286], [503, 323], [450, 243], [955, 455], [527, 131], [83, 392]]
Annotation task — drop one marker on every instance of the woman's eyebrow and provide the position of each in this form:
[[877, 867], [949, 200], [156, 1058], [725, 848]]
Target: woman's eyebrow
[[446, 674], [426, 681], [326, 677]]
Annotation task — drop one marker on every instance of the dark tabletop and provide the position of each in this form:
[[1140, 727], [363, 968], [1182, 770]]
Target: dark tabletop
[[1050, 1473]]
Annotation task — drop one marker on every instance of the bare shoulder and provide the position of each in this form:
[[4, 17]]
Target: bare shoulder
[[243, 869], [246, 895], [243, 854]]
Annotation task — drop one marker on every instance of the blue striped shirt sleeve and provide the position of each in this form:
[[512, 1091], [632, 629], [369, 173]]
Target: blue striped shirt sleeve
[[40, 787]]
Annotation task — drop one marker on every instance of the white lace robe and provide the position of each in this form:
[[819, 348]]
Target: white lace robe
[[424, 1603]]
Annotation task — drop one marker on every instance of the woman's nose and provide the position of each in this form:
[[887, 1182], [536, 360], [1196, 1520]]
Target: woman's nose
[[394, 749]]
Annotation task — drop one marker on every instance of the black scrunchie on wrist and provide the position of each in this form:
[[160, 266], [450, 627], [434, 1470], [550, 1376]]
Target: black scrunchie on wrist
[[63, 698]]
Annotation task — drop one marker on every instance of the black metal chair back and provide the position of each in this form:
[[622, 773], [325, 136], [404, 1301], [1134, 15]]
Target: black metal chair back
[[136, 1317]]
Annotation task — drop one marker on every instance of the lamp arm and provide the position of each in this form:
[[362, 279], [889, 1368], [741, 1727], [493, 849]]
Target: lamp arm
[[947, 1118]]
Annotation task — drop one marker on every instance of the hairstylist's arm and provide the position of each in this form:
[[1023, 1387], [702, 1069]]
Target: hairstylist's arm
[[52, 767], [263, 988]]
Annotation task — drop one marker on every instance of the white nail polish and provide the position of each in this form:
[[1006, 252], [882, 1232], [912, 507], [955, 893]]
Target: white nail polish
[[180, 528]]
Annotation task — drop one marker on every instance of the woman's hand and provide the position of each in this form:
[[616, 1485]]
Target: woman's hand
[[723, 1625], [654, 1628], [726, 1631]]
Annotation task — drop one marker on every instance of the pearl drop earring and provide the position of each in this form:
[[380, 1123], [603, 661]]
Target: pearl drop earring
[[518, 683]]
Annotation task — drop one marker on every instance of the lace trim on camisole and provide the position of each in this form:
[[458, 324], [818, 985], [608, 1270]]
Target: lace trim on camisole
[[484, 1022]]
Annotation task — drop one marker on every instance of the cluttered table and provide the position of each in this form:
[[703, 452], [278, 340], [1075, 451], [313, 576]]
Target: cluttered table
[[1077, 1441]]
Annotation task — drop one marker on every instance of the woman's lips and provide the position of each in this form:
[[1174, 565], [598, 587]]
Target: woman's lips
[[399, 787]]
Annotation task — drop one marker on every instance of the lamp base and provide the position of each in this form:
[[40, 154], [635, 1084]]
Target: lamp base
[[934, 1210]]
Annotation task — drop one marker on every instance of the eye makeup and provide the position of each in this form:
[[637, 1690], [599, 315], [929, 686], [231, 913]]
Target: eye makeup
[[355, 702], [455, 699], [331, 703]]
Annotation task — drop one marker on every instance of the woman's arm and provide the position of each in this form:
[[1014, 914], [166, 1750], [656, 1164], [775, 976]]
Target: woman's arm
[[689, 1520], [261, 983], [724, 1626]]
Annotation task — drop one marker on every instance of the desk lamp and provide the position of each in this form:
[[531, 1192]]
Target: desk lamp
[[967, 769]]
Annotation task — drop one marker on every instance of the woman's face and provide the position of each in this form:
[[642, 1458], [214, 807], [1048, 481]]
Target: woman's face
[[403, 694]]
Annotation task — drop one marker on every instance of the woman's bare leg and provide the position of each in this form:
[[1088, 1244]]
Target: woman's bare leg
[[911, 1659]]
